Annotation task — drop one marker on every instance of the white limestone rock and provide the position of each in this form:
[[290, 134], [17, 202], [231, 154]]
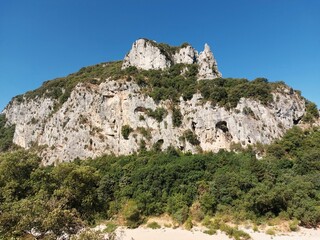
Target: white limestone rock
[[187, 55], [208, 68], [29, 116], [145, 55], [89, 123]]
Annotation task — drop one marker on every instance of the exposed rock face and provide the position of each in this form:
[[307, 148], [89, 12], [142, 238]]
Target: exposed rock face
[[147, 54], [208, 68], [187, 55], [89, 123], [28, 117]]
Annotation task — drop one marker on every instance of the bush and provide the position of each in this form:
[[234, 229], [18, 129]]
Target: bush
[[188, 224], [153, 225], [110, 227], [146, 133], [196, 212], [125, 131], [6, 134], [131, 214], [142, 145], [210, 231], [234, 232], [293, 225], [191, 137], [73, 195], [312, 112], [271, 231], [157, 114], [176, 117]]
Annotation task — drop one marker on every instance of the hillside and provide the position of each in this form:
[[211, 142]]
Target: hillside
[[159, 96], [160, 133], [212, 189]]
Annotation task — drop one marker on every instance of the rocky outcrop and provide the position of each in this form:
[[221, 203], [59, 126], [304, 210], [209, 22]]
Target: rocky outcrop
[[147, 54], [29, 116], [208, 68], [89, 123], [114, 115], [186, 55]]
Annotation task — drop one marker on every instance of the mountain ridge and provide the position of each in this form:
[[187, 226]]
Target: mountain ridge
[[111, 109]]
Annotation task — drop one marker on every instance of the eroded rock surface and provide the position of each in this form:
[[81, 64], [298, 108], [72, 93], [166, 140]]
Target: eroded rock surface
[[147, 54], [89, 123], [208, 68]]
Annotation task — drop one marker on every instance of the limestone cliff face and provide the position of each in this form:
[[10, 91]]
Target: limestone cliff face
[[90, 119], [89, 123], [147, 54]]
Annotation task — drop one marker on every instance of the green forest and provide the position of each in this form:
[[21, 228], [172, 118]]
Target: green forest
[[285, 183], [52, 200]]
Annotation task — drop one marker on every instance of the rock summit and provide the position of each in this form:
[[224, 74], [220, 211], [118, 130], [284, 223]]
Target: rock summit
[[147, 54]]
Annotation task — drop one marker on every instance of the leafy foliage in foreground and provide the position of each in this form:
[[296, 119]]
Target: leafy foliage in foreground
[[66, 197]]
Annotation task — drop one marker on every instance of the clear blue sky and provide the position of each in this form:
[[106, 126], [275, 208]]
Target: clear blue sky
[[44, 39]]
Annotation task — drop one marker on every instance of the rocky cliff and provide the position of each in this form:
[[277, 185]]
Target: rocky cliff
[[109, 111], [147, 54]]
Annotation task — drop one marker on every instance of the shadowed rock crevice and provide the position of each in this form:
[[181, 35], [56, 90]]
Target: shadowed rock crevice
[[222, 125]]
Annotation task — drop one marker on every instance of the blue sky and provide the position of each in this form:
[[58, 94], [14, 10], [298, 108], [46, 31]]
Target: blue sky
[[277, 39]]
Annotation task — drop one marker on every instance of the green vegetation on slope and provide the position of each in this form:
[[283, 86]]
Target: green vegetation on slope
[[166, 49], [312, 112], [125, 131], [61, 88], [66, 197], [6, 134], [180, 80]]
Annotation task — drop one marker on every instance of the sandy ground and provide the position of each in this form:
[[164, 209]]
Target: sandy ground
[[166, 234], [196, 234], [302, 234]]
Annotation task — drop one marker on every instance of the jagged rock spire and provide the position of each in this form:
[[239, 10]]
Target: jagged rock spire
[[208, 68], [147, 54]]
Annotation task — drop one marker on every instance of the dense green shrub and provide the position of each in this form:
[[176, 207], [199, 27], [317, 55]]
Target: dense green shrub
[[6, 134], [228, 92], [125, 131], [191, 137], [312, 112], [176, 117], [131, 214], [158, 114], [153, 183], [153, 225]]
